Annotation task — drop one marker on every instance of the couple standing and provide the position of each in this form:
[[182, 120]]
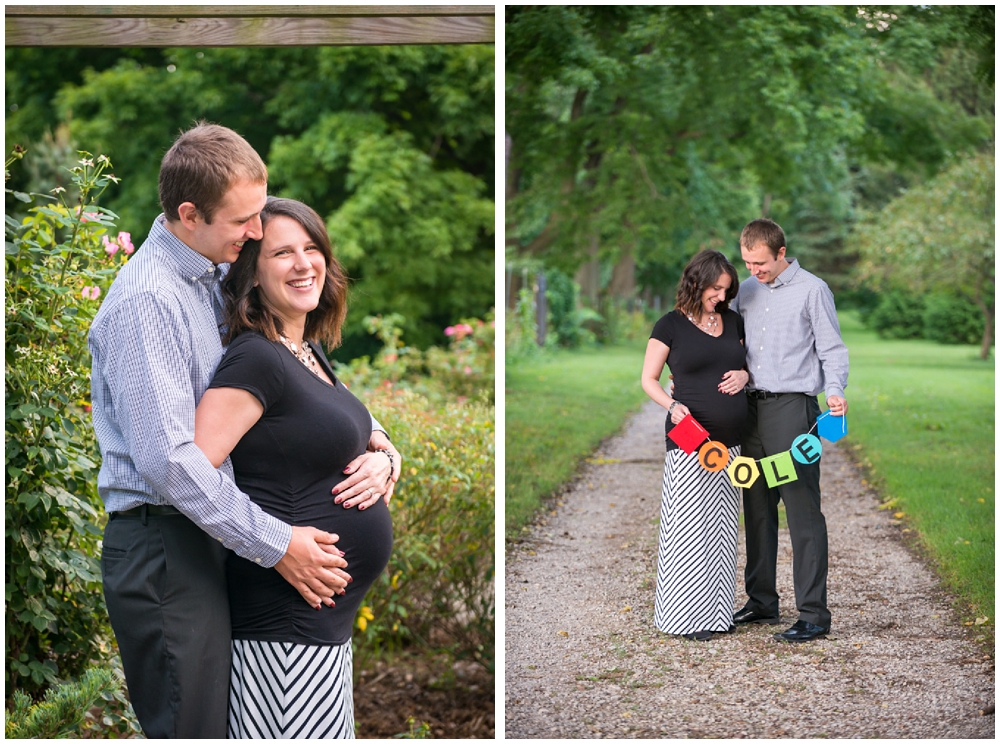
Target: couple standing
[[749, 374], [224, 548]]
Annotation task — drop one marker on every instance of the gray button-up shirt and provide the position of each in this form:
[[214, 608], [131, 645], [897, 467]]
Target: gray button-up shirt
[[792, 334], [155, 345]]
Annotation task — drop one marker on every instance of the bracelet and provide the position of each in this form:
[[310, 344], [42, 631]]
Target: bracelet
[[671, 409], [392, 461]]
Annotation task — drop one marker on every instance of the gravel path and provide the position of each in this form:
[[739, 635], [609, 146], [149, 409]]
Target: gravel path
[[583, 659]]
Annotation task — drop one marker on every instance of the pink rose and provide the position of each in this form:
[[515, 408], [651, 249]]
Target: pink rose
[[449, 331], [125, 241], [110, 246], [91, 293]]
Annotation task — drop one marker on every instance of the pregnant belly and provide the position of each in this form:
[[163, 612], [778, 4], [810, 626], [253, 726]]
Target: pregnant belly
[[264, 606]]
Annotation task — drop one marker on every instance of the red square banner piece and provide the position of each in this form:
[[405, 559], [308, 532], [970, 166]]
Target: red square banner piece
[[688, 434]]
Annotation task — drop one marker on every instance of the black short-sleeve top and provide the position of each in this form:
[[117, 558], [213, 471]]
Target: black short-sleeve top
[[288, 463], [697, 362]]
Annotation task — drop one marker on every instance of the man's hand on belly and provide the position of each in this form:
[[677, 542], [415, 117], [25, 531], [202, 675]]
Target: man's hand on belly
[[314, 566]]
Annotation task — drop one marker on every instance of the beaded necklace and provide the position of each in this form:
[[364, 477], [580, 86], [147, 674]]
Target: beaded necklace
[[709, 326], [304, 354]]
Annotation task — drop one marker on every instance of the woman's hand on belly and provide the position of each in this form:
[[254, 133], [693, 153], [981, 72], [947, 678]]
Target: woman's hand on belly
[[369, 479], [734, 381]]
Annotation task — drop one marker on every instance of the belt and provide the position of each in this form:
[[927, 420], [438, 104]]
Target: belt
[[762, 394], [142, 511]]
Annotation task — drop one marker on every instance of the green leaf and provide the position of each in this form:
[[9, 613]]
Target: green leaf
[[29, 499], [21, 196]]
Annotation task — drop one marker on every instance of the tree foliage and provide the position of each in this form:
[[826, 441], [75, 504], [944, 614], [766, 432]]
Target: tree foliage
[[393, 146], [939, 237], [652, 131]]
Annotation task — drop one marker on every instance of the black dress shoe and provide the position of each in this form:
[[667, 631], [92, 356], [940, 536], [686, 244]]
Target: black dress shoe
[[747, 616], [802, 631], [698, 635]]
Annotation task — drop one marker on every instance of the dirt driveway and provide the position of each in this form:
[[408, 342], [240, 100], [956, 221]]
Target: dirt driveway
[[583, 659]]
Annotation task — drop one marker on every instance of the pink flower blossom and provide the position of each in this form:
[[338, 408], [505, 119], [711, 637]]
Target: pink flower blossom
[[467, 370], [91, 293], [461, 330], [449, 331], [110, 246], [125, 240]]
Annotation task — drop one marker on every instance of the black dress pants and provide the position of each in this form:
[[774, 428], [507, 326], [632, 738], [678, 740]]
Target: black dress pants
[[165, 587], [772, 424]]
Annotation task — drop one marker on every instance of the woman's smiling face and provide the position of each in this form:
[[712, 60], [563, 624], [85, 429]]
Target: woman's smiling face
[[291, 271]]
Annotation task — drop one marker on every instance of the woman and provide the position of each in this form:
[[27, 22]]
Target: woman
[[702, 341], [291, 427]]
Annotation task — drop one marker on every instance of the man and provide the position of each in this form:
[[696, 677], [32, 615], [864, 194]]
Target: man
[[155, 343], [794, 351]]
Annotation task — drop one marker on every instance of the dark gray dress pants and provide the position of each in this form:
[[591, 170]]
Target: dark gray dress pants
[[165, 587], [771, 426]]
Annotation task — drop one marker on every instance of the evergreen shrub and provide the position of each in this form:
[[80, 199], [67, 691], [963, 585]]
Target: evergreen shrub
[[897, 315], [951, 320]]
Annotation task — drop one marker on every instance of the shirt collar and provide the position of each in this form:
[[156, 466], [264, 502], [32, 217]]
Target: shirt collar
[[191, 264], [788, 275]]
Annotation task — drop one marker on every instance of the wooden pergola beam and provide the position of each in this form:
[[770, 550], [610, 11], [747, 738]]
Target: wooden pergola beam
[[246, 25]]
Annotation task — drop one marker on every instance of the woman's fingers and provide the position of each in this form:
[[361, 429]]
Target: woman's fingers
[[366, 482]]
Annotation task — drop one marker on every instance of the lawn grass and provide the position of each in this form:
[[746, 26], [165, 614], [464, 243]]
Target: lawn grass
[[921, 418], [559, 406]]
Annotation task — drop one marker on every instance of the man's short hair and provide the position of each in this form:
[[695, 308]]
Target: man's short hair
[[764, 231], [202, 165]]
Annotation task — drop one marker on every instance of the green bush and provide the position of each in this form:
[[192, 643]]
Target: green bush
[[942, 318], [465, 369], [57, 259], [897, 315], [951, 320], [438, 589]]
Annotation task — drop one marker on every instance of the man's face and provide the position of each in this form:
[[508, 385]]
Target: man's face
[[236, 220], [762, 264]]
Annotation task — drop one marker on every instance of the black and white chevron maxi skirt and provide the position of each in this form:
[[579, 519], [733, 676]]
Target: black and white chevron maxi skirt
[[696, 566], [291, 691]]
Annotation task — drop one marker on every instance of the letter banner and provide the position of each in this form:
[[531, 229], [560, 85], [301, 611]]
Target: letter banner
[[743, 472], [688, 434]]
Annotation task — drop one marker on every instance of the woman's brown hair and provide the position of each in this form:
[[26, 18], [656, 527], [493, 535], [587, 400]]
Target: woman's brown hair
[[701, 273], [247, 309]]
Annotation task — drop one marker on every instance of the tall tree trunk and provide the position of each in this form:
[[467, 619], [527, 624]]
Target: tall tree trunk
[[511, 179], [989, 313], [623, 277], [588, 276]]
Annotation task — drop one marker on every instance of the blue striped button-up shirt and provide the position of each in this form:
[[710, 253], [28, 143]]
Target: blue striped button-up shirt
[[792, 334]]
